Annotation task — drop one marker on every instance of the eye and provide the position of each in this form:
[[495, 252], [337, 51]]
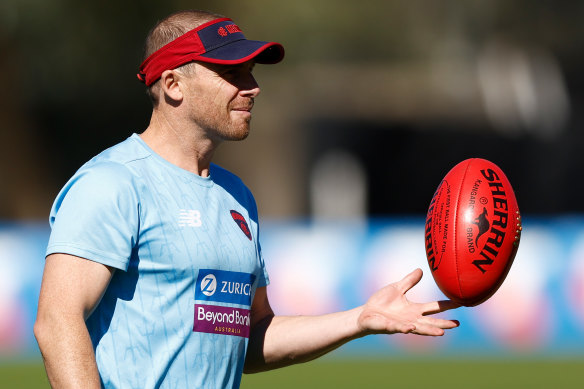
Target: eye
[[229, 72], [232, 71]]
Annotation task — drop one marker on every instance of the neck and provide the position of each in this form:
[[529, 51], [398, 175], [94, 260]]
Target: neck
[[180, 145]]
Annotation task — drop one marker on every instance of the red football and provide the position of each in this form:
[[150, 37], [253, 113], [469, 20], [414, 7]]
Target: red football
[[473, 229]]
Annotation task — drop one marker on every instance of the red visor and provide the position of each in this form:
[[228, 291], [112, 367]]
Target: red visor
[[218, 41]]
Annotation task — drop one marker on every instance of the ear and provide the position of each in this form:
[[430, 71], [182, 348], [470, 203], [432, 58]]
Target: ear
[[169, 82]]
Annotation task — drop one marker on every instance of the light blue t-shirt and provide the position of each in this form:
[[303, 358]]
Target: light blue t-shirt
[[176, 313]]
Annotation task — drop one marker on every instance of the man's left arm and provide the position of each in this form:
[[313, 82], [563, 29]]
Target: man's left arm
[[278, 341]]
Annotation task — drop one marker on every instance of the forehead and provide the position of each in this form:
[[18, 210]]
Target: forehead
[[220, 68]]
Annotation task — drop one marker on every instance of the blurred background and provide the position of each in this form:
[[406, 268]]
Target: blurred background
[[374, 103]]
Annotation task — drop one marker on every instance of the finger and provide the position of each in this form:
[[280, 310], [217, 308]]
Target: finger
[[427, 330], [435, 327], [439, 323], [409, 281], [402, 328], [438, 306]]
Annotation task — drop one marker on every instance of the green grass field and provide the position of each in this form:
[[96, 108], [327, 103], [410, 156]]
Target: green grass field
[[429, 374], [362, 374]]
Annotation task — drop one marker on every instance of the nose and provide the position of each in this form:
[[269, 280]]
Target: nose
[[249, 87]]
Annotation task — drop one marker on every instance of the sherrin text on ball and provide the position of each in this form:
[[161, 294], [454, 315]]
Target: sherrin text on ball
[[472, 234]]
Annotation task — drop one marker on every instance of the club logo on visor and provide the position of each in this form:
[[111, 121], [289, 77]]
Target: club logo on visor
[[228, 29]]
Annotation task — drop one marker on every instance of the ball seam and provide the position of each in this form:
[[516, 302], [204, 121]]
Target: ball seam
[[455, 226]]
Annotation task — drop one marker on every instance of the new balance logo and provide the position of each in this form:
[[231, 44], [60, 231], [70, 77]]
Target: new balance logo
[[189, 218]]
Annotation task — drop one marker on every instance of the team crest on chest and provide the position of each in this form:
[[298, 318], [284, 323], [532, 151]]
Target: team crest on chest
[[240, 220]]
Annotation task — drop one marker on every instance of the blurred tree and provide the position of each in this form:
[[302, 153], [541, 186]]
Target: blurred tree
[[69, 74]]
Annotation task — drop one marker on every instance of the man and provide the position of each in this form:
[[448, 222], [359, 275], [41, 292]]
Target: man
[[154, 275]]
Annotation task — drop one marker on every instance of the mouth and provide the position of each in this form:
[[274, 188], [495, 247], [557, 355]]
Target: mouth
[[244, 113], [247, 107]]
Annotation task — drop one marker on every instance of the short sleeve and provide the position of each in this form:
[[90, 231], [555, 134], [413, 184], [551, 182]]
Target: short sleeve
[[96, 215], [264, 279]]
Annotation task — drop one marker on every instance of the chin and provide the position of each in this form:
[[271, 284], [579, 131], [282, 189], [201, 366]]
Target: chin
[[237, 135], [243, 136], [239, 132]]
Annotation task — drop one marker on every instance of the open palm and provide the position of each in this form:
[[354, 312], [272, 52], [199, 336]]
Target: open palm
[[389, 311]]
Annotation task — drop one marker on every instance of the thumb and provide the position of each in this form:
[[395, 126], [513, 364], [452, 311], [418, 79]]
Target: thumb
[[409, 281]]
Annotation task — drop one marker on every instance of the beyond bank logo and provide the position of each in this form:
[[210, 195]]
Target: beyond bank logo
[[224, 286], [214, 319]]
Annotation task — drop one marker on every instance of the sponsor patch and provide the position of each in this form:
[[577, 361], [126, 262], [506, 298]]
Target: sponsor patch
[[213, 319], [224, 286]]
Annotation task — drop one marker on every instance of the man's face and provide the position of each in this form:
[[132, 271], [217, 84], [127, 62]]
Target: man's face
[[220, 98]]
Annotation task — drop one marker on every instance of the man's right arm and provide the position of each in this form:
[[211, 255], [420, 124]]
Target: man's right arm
[[71, 288]]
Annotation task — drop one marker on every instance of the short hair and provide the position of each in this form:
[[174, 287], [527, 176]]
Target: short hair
[[167, 30]]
